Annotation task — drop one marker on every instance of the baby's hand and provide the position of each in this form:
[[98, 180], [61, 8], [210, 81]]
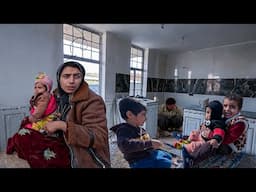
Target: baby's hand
[[53, 126], [214, 143]]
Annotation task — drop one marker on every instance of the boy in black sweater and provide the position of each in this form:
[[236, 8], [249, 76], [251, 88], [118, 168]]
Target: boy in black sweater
[[136, 145]]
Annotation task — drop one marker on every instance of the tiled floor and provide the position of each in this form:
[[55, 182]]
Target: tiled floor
[[249, 161], [117, 160], [12, 161]]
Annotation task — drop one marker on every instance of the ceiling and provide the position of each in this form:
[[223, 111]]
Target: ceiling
[[180, 37]]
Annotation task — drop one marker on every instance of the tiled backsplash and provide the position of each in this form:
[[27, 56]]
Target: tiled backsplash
[[243, 87], [122, 83]]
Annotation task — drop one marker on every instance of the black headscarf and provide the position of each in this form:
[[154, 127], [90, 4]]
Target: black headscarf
[[216, 108], [63, 97]]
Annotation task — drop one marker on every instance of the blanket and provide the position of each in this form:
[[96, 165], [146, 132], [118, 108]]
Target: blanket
[[40, 150]]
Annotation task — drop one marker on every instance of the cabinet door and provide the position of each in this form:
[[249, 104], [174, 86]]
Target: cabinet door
[[251, 137], [249, 141], [192, 120], [151, 122], [10, 120], [191, 123]]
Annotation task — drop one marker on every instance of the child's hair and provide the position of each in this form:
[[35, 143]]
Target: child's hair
[[45, 80], [237, 98], [170, 101], [217, 109], [129, 104]]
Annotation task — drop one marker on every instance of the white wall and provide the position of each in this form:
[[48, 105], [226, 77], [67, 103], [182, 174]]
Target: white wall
[[156, 64], [116, 60], [233, 61], [26, 49]]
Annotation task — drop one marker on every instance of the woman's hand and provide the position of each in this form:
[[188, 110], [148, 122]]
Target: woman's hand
[[53, 126]]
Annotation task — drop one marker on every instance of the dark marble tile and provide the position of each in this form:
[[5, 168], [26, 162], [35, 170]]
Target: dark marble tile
[[191, 83], [122, 83], [169, 85], [155, 82], [155, 85], [161, 85], [150, 84], [226, 86], [182, 86], [213, 86], [245, 87], [199, 86]]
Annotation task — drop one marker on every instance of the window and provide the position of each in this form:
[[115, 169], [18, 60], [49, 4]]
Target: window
[[136, 71], [83, 46]]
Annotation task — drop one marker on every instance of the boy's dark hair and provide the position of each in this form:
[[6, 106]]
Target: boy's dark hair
[[129, 104], [237, 98], [170, 101]]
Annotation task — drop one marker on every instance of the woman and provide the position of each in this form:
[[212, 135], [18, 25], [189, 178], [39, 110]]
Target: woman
[[78, 137], [82, 118]]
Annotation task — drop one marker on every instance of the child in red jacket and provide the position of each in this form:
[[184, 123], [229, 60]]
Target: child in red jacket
[[209, 135], [237, 125], [42, 103]]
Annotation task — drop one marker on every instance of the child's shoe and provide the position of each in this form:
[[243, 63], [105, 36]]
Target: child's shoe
[[187, 158]]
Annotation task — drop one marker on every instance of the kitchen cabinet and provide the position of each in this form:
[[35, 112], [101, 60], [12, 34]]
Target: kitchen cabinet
[[10, 119], [250, 147], [192, 119], [151, 123]]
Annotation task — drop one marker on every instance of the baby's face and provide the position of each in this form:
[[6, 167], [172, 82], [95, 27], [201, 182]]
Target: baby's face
[[39, 88], [208, 112]]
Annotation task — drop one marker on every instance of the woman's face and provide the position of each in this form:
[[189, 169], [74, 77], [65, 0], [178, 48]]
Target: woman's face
[[70, 79], [230, 108]]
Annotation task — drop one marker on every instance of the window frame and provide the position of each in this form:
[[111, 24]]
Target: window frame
[[135, 70], [83, 58]]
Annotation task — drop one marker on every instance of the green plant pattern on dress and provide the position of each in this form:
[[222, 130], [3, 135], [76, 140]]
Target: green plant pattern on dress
[[48, 154], [23, 132]]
